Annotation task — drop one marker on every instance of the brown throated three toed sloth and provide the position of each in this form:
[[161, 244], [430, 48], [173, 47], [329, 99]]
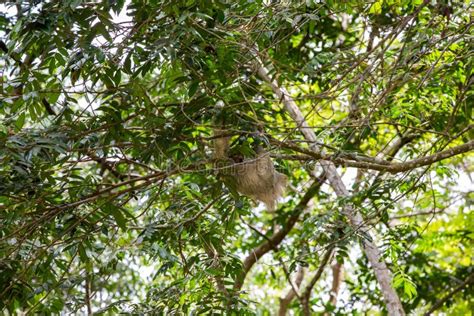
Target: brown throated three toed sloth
[[255, 177]]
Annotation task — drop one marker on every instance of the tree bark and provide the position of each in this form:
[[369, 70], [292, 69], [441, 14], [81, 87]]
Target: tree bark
[[440, 303], [337, 276], [382, 273], [285, 301], [374, 163], [278, 236]]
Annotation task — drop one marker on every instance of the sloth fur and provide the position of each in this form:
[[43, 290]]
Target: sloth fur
[[256, 177]]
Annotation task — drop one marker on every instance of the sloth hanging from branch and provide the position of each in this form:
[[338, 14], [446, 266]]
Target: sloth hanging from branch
[[254, 177]]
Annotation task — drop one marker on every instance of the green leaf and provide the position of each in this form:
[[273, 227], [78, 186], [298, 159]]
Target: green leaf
[[127, 65], [193, 87], [119, 218], [117, 77], [376, 7], [20, 121], [118, 214]]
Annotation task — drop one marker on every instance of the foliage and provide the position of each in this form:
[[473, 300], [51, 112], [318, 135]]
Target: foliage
[[110, 200]]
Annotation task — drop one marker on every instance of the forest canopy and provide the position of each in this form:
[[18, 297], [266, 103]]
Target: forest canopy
[[115, 197]]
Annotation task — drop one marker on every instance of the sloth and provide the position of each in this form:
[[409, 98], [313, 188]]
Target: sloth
[[255, 177]]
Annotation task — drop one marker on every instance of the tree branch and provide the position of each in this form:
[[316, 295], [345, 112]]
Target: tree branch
[[285, 301], [381, 271], [337, 275], [307, 291], [215, 257], [278, 236], [440, 303], [88, 294], [372, 163]]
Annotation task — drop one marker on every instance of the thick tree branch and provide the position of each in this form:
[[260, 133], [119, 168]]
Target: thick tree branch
[[389, 153], [273, 241], [440, 303], [382, 273], [372, 163], [286, 300], [88, 294], [394, 147], [337, 276]]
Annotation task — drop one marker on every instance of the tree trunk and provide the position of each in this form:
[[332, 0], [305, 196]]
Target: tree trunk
[[382, 273]]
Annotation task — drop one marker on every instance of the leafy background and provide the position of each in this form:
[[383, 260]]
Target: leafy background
[[109, 198]]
